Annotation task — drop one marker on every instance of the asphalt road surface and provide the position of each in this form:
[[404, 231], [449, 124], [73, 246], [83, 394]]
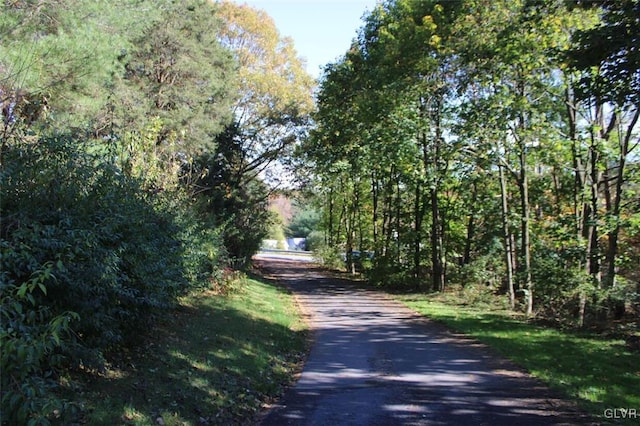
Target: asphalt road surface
[[376, 362]]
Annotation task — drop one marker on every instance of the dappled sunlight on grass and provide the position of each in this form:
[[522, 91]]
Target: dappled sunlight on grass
[[215, 360], [599, 372], [134, 416]]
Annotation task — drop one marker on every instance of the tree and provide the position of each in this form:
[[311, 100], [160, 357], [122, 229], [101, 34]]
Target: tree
[[510, 74], [478, 126], [304, 222], [274, 96], [227, 201], [178, 71], [65, 52], [608, 59], [96, 237], [609, 52]]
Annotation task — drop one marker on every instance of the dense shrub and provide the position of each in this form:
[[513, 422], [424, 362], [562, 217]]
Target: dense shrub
[[329, 256], [116, 248], [205, 257], [88, 257], [315, 240], [236, 205], [558, 286], [30, 337]]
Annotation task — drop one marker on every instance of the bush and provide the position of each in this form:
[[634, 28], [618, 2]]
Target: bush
[[88, 257], [315, 240], [559, 286], [115, 245], [329, 256], [205, 257], [30, 337], [486, 271]]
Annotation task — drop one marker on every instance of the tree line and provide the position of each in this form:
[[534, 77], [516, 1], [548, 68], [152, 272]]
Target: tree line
[[488, 144], [136, 139]]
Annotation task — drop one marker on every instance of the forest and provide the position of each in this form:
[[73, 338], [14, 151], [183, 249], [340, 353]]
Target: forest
[[477, 145], [135, 139], [488, 146]]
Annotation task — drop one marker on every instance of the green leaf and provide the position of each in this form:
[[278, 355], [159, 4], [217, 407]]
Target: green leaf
[[22, 290]]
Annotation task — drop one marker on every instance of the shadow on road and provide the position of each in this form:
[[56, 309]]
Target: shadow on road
[[375, 362]]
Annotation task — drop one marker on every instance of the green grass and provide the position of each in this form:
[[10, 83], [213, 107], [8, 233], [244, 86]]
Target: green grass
[[215, 360], [597, 372]]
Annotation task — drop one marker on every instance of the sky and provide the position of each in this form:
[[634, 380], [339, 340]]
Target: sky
[[322, 30]]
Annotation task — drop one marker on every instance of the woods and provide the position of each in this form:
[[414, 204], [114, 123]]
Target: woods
[[133, 134], [482, 148], [488, 145]]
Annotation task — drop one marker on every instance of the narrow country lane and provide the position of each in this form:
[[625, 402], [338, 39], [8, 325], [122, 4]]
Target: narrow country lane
[[375, 362]]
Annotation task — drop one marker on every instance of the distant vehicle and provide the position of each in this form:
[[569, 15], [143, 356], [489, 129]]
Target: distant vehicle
[[358, 256]]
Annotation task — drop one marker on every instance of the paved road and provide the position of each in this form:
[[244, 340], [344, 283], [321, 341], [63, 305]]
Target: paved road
[[375, 362]]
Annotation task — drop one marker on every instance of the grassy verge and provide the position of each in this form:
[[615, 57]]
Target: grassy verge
[[601, 374], [215, 360]]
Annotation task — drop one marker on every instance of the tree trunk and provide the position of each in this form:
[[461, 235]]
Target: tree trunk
[[526, 238], [525, 218], [418, 213], [592, 265], [522, 179], [351, 233], [330, 225], [471, 226], [387, 214], [580, 206], [374, 214], [438, 278], [612, 249], [398, 222], [508, 251]]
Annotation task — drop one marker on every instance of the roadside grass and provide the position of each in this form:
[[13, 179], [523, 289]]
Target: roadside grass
[[599, 373], [215, 360]]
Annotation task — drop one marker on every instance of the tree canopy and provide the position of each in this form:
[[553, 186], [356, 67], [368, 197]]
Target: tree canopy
[[275, 92], [454, 134]]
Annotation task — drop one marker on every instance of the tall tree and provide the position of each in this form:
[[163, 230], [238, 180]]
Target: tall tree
[[179, 72], [405, 42], [607, 60], [65, 51], [609, 52], [274, 92], [474, 101], [513, 67], [333, 147]]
